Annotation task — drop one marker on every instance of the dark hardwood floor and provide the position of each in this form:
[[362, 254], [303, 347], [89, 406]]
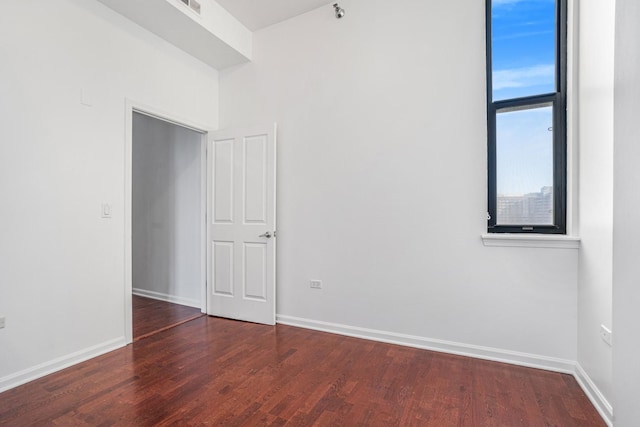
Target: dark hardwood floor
[[213, 371], [151, 316]]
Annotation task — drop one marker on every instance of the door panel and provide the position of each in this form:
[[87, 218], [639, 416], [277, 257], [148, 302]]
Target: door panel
[[255, 169], [223, 181], [223, 268], [241, 228], [255, 273]]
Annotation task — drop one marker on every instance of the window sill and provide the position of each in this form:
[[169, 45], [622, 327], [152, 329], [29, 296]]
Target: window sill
[[531, 240]]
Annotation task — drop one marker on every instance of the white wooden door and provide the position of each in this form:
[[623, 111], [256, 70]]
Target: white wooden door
[[241, 219]]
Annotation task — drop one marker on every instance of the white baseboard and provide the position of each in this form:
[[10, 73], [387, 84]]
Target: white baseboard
[[480, 352], [596, 397], [487, 353], [167, 298], [58, 364]]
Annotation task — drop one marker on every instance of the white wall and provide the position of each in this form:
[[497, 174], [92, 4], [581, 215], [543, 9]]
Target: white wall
[[166, 211], [220, 22], [61, 264], [595, 144], [382, 180], [626, 212]]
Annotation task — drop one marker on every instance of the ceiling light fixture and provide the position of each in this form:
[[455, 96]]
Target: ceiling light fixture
[[339, 11]]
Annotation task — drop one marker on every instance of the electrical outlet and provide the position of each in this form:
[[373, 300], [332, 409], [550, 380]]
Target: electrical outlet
[[2, 322], [605, 334], [316, 284]]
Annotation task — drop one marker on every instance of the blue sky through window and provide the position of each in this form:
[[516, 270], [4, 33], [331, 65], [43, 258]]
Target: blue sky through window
[[523, 48], [523, 64], [524, 151]]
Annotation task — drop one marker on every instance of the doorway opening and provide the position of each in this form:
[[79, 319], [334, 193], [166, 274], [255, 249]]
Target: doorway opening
[[167, 207]]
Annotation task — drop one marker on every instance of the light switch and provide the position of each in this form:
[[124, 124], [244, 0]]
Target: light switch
[[106, 210]]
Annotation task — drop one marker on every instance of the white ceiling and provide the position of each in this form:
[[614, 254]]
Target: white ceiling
[[257, 14]]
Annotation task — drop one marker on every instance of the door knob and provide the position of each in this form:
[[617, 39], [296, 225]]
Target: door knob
[[267, 235]]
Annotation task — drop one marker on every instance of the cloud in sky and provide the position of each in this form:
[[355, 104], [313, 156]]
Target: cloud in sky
[[524, 77], [523, 34]]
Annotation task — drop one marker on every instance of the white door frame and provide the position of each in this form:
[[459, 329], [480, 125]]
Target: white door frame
[[130, 108]]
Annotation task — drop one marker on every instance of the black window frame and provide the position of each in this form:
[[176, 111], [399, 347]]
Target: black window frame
[[558, 101]]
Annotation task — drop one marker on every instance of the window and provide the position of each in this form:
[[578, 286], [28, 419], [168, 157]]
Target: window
[[526, 105]]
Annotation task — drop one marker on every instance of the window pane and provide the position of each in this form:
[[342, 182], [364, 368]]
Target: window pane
[[523, 48], [524, 163]]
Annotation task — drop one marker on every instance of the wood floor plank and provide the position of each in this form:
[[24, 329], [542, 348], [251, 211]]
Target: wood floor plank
[[151, 316], [213, 371]]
